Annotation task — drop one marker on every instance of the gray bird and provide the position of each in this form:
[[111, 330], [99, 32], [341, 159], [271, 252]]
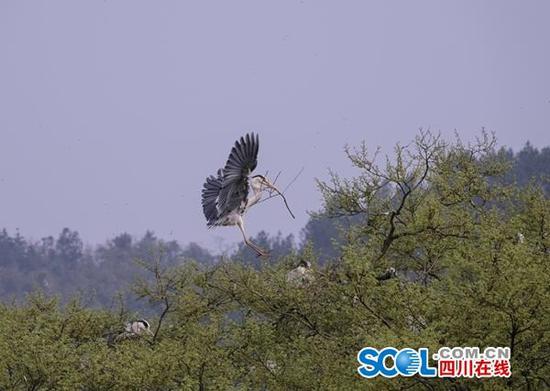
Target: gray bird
[[226, 197], [302, 275], [138, 327], [132, 330], [520, 238], [388, 274]]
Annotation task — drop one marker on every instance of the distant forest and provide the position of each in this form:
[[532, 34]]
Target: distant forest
[[103, 275]]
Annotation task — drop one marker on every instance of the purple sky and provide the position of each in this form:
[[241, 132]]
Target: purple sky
[[112, 113]]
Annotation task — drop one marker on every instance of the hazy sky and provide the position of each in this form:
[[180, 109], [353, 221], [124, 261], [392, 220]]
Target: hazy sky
[[112, 113]]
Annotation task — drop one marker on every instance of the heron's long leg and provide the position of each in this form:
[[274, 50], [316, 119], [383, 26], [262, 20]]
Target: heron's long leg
[[249, 243]]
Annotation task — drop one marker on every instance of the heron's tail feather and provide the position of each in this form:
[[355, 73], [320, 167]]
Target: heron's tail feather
[[210, 192]]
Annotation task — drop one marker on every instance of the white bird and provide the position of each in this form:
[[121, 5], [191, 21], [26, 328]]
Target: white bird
[[302, 275], [520, 238], [388, 274], [226, 197], [132, 330], [139, 327]]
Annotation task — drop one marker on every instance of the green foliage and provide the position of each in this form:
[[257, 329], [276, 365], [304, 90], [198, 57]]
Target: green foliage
[[471, 254]]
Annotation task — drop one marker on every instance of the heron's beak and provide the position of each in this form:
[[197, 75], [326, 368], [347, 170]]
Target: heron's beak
[[271, 186]]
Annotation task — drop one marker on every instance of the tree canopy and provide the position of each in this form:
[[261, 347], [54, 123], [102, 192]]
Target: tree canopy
[[469, 243]]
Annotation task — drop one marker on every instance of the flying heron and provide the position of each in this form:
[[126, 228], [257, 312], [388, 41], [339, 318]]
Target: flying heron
[[226, 197]]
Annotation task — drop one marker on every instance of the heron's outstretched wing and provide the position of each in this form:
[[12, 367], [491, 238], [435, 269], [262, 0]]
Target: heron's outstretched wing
[[210, 191], [241, 162]]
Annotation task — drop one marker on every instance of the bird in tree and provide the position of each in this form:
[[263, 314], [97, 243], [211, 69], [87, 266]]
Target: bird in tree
[[388, 274], [138, 327], [132, 330], [227, 196], [302, 275]]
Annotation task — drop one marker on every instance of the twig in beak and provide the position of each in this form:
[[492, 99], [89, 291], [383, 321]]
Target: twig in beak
[[284, 191], [273, 183], [284, 199], [277, 177]]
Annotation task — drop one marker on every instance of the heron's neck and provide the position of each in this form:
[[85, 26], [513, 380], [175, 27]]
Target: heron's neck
[[256, 196]]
